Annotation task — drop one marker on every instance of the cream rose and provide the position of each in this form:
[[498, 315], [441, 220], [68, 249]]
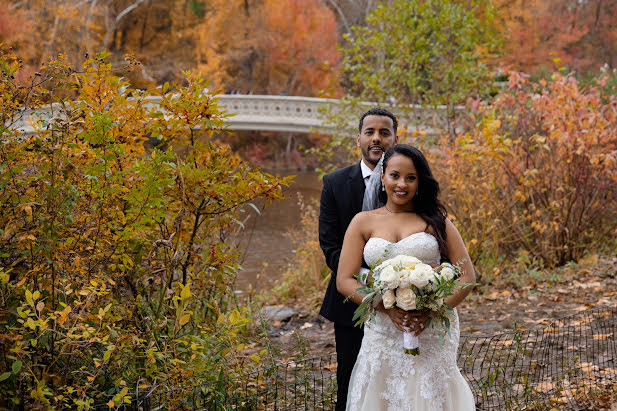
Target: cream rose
[[389, 277], [421, 275], [447, 273], [405, 261], [388, 299], [405, 299]]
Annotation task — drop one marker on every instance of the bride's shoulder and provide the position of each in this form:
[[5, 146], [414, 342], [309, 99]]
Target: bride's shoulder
[[369, 215], [365, 219]]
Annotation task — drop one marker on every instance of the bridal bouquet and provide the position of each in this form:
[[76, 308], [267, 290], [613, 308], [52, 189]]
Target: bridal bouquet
[[407, 283]]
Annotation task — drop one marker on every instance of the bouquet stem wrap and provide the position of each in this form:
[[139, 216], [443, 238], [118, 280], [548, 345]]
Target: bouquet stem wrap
[[411, 344]]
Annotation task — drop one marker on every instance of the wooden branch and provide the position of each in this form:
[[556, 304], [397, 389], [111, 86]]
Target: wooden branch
[[119, 17]]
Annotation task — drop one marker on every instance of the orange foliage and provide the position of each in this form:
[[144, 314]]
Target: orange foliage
[[301, 43], [538, 176], [576, 34], [283, 46]]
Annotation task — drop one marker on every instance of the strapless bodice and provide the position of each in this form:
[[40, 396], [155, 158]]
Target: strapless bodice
[[421, 245]]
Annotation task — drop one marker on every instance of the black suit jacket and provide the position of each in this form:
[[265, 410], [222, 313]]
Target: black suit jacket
[[341, 200]]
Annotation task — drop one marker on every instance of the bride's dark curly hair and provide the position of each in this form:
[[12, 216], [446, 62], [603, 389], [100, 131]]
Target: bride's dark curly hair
[[426, 201]]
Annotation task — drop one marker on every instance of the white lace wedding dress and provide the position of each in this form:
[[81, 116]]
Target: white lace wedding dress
[[384, 377]]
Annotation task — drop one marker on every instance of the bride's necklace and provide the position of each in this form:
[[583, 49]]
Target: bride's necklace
[[397, 212]]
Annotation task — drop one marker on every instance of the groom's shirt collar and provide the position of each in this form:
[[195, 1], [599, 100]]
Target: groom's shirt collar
[[366, 171]]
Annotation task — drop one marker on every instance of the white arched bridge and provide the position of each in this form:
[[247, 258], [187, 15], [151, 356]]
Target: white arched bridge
[[281, 113]]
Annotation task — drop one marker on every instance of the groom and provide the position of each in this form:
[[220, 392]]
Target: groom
[[341, 200]]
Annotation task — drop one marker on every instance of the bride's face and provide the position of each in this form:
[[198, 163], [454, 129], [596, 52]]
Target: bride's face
[[400, 180]]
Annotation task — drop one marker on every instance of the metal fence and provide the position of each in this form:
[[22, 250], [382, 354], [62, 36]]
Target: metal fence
[[570, 364]]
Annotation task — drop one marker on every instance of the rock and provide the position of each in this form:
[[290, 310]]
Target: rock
[[278, 313]]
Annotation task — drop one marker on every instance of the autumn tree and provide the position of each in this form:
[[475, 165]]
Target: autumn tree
[[579, 35], [156, 32], [420, 52], [272, 47]]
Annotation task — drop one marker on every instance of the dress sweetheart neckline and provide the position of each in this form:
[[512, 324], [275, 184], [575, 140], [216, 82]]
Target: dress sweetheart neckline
[[402, 239]]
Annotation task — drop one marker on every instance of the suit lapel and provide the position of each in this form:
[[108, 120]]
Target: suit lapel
[[356, 184]]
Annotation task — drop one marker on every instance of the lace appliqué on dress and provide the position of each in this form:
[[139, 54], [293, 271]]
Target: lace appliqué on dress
[[383, 369]]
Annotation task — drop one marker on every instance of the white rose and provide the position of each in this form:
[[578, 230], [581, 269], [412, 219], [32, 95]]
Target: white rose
[[405, 299], [388, 299], [447, 273], [421, 275], [403, 279], [389, 277]]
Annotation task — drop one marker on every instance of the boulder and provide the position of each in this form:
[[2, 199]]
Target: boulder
[[278, 313]]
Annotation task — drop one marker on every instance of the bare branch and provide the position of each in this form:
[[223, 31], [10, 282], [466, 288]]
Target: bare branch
[[341, 15], [119, 17], [92, 5]]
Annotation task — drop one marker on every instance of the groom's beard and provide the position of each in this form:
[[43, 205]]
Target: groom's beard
[[367, 154]]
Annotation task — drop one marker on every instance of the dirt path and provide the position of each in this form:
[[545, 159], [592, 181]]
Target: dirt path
[[489, 310]]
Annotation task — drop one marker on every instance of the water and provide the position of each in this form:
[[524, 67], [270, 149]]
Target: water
[[267, 248]]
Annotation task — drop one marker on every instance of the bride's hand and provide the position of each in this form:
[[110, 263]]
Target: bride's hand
[[397, 316], [415, 321]]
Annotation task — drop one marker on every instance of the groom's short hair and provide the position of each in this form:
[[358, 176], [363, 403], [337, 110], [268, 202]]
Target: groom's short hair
[[378, 111]]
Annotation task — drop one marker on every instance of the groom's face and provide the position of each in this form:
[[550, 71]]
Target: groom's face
[[376, 137]]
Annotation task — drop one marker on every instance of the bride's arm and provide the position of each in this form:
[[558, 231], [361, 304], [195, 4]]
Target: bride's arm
[[457, 253], [351, 259]]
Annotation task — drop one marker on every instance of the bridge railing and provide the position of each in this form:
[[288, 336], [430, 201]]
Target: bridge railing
[[273, 113]]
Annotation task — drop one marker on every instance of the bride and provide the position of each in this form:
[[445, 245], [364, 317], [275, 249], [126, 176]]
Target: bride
[[412, 222]]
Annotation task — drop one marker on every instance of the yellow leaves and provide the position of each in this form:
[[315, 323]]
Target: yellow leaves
[[27, 209], [29, 300], [255, 358], [64, 315], [185, 318], [235, 317], [492, 126], [186, 292], [26, 237], [30, 323]]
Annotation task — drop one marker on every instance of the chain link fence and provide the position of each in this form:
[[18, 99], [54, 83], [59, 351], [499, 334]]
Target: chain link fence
[[570, 364]]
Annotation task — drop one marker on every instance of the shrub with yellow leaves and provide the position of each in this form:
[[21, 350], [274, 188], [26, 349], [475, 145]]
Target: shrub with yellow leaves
[[115, 256]]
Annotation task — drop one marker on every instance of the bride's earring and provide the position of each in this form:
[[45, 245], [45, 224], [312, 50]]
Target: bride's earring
[[383, 188], [417, 193]]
